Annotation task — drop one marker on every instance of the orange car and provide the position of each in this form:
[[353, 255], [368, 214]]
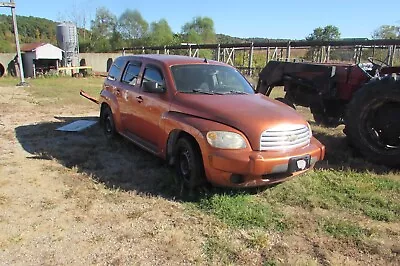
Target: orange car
[[204, 117]]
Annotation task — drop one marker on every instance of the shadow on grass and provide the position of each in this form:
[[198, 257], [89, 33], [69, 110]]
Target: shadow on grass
[[121, 164], [341, 156], [117, 164]]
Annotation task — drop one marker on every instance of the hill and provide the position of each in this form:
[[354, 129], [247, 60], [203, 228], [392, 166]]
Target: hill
[[30, 29], [34, 29]]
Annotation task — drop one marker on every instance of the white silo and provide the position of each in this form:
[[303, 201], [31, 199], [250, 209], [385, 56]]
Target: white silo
[[67, 38]]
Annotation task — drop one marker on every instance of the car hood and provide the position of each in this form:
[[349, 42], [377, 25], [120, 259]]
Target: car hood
[[251, 114]]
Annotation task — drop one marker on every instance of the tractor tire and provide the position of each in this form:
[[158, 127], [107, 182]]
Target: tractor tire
[[286, 101], [322, 120], [373, 121]]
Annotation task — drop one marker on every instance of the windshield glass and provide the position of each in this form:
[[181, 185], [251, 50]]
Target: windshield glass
[[210, 79]]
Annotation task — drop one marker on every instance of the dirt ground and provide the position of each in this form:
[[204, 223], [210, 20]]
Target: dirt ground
[[73, 198], [54, 212]]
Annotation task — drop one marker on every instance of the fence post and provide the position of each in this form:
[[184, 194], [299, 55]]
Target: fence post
[[392, 51], [251, 54], [328, 54], [288, 51]]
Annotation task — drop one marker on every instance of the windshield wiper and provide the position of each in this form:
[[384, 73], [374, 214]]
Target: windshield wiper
[[202, 91], [237, 92], [207, 92]]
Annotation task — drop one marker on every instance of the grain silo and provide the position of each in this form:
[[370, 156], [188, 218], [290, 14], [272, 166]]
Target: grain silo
[[67, 38]]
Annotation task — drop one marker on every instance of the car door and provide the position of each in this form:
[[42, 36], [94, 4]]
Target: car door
[[152, 105], [129, 89], [112, 84]]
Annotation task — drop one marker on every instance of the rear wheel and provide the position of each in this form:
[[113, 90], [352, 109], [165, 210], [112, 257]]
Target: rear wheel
[[188, 165], [373, 121], [107, 121]]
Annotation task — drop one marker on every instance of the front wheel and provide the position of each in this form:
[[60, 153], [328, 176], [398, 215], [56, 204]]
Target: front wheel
[[188, 165], [373, 121]]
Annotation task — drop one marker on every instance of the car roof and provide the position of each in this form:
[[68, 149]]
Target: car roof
[[170, 60]]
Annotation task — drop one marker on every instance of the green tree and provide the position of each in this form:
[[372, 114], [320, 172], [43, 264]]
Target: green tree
[[326, 33], [103, 27], [199, 30], [132, 26], [160, 33], [387, 32]]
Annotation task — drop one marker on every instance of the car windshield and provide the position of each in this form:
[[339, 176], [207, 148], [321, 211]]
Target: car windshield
[[210, 79]]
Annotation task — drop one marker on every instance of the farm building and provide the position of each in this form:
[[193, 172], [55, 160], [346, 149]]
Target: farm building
[[39, 58]]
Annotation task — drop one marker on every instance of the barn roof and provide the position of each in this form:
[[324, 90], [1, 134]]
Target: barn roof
[[29, 47]]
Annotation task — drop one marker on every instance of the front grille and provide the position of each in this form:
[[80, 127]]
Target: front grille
[[285, 137]]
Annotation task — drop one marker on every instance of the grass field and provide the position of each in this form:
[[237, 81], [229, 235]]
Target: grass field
[[93, 202]]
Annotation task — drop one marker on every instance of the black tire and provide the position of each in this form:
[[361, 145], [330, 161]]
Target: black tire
[[107, 122], [323, 120], [188, 165], [373, 121], [286, 101]]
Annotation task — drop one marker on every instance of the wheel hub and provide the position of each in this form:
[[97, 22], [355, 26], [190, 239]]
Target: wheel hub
[[384, 125], [185, 164], [108, 125]]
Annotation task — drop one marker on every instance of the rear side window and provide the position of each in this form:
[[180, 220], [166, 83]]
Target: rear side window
[[153, 74], [131, 73], [115, 69]]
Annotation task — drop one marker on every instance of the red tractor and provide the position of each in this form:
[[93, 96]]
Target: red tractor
[[366, 98]]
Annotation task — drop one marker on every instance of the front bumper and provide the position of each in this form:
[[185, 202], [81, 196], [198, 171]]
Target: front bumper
[[254, 168]]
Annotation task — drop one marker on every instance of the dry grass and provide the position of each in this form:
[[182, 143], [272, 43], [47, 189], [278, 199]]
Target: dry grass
[[76, 199]]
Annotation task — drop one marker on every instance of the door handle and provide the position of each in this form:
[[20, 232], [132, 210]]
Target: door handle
[[139, 99], [118, 92]]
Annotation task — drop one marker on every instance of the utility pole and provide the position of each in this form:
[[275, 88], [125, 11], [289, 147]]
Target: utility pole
[[11, 5]]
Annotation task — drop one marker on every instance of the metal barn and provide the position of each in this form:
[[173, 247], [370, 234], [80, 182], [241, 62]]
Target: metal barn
[[40, 58]]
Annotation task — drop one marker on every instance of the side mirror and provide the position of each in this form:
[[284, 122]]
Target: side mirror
[[153, 87]]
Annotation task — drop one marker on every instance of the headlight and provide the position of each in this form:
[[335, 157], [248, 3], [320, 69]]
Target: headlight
[[226, 140]]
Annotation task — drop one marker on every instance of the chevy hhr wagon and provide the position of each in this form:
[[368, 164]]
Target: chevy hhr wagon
[[205, 118]]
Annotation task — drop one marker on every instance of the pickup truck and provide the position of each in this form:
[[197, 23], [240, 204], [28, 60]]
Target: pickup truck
[[203, 117]]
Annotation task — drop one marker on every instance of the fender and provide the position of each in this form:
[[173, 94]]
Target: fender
[[197, 127], [110, 99]]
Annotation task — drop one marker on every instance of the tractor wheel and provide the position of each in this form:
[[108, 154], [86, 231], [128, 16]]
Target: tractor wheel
[[322, 119], [286, 101], [373, 121]]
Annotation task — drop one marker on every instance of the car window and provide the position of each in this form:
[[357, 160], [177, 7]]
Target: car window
[[210, 79], [153, 74], [115, 69], [131, 73]]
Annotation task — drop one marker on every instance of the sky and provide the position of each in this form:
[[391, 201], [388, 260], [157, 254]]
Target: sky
[[287, 19]]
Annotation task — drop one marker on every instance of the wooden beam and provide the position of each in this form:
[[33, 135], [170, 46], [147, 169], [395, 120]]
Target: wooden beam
[[279, 44], [5, 4], [75, 68], [251, 54]]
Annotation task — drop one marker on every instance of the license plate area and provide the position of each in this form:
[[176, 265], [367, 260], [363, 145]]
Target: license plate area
[[299, 163]]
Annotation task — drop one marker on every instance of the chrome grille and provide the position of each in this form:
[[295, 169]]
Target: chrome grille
[[285, 137]]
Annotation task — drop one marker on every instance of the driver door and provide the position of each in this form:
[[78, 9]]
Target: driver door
[[151, 107]]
